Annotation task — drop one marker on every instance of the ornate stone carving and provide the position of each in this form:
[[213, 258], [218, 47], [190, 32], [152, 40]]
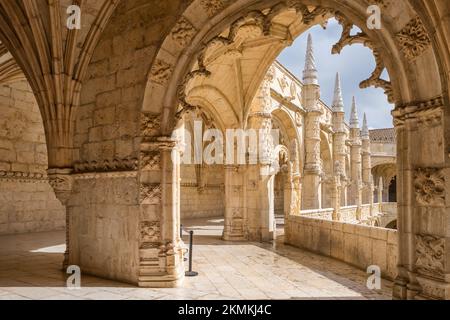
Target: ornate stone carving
[[430, 252], [115, 165], [151, 160], [212, 6], [150, 124], [375, 79], [61, 181], [160, 72], [183, 32], [150, 232], [413, 39], [150, 193], [23, 176], [429, 184]]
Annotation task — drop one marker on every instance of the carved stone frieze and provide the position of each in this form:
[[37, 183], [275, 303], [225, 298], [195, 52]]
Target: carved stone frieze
[[115, 165], [23, 176]]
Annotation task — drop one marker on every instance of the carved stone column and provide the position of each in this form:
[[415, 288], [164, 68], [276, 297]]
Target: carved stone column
[[235, 217], [161, 249], [312, 198], [62, 182], [423, 203]]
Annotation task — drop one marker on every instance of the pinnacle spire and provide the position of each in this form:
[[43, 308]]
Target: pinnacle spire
[[365, 128], [338, 101], [310, 72], [354, 119]]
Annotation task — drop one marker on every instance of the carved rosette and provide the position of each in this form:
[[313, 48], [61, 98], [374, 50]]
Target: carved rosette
[[150, 234], [430, 252], [413, 39], [62, 182], [212, 6], [429, 184]]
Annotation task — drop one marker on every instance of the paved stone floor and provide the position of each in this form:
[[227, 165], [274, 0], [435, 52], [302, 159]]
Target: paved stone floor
[[30, 269]]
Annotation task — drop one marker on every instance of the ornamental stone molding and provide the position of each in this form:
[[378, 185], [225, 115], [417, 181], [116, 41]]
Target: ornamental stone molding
[[23, 176], [429, 184], [62, 182], [430, 253], [428, 112], [413, 39], [115, 165]]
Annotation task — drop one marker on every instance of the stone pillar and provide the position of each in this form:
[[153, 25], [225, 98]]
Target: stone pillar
[[356, 159], [311, 94], [161, 251], [339, 140], [61, 181], [380, 190], [423, 203], [235, 217], [366, 163], [336, 198]]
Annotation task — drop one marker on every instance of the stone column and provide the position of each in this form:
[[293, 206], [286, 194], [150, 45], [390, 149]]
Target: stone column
[[423, 206], [311, 95], [161, 251], [339, 140], [336, 198], [380, 190], [366, 163], [356, 159], [61, 181], [235, 217]]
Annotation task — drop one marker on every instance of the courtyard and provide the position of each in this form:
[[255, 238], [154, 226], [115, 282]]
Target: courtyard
[[30, 268]]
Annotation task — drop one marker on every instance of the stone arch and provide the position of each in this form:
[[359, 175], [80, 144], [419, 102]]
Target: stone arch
[[392, 48]]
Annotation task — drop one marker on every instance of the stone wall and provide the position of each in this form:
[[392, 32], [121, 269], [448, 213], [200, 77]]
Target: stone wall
[[104, 226], [358, 245], [205, 198], [27, 202]]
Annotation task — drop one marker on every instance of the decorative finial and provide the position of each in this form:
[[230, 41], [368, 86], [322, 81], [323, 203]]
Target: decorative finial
[[310, 72], [365, 129], [338, 101], [354, 120]]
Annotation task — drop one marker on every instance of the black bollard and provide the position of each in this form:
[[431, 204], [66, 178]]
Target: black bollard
[[181, 231], [191, 273]]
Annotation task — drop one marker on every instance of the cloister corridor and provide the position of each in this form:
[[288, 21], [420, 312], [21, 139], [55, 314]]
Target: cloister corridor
[[30, 268]]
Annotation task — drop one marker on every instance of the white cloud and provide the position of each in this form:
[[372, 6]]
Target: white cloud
[[355, 64]]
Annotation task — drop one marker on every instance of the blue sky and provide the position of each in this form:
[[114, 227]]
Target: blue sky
[[355, 64]]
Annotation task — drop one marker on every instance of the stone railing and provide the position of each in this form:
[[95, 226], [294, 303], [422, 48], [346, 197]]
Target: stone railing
[[358, 245]]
